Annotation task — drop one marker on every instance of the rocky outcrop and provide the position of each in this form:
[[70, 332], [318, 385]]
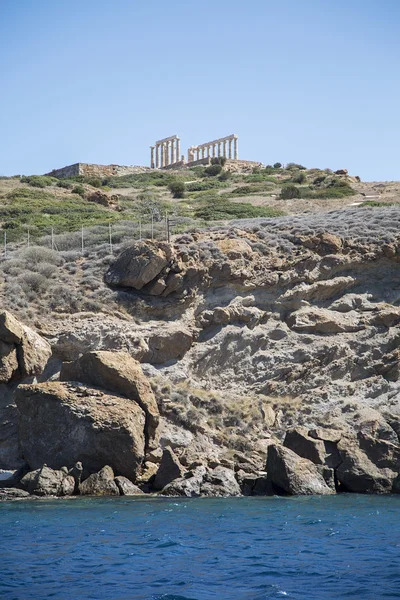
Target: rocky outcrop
[[291, 474], [23, 353], [126, 487], [119, 373], [202, 481], [139, 265], [62, 423], [318, 450], [100, 484], [169, 469], [48, 482]]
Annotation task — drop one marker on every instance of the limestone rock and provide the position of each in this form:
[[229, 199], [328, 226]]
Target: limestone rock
[[100, 484], [12, 494], [138, 265], [169, 469], [320, 452], [62, 423], [169, 344], [29, 481], [322, 320], [358, 474], [11, 330], [34, 353], [9, 367], [23, 352], [318, 291], [48, 482], [204, 482], [294, 475], [220, 482], [121, 374], [126, 487], [67, 486]]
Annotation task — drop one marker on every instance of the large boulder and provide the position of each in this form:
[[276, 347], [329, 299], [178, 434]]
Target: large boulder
[[203, 481], [100, 484], [23, 353], [170, 468], [357, 473], [138, 265], [121, 374], [48, 482], [126, 487], [62, 423], [319, 451], [294, 475]]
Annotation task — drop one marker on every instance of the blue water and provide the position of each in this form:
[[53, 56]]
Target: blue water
[[345, 546]]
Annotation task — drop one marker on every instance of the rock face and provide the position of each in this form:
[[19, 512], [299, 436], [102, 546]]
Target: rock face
[[61, 423], [121, 374], [23, 352], [293, 474], [100, 484], [169, 469]]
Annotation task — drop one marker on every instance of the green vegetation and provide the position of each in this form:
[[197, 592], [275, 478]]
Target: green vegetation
[[213, 170], [80, 190], [177, 188], [39, 181], [40, 211], [290, 191], [222, 209]]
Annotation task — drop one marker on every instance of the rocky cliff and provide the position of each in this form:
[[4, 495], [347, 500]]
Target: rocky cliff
[[272, 351]]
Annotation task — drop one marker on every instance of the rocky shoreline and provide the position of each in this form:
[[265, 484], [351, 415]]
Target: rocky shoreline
[[241, 368]]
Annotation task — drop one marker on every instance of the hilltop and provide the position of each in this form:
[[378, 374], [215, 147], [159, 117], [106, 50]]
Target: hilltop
[[42, 204]]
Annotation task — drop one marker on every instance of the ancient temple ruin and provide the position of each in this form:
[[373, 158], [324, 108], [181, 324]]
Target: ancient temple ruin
[[216, 148], [165, 152]]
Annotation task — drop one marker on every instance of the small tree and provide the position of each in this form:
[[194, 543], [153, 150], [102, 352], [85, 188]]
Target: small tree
[[177, 188], [277, 165], [289, 191]]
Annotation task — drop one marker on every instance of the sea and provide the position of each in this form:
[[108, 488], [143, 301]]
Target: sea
[[343, 546]]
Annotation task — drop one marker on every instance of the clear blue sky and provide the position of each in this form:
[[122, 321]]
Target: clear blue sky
[[310, 81]]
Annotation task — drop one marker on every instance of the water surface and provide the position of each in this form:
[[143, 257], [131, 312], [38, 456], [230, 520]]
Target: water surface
[[345, 546]]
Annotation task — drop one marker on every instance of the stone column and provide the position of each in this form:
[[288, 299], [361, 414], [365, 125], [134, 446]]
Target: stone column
[[161, 155], [219, 149], [230, 148], [172, 152], [213, 150], [178, 149], [152, 157], [202, 152], [167, 153], [235, 148]]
